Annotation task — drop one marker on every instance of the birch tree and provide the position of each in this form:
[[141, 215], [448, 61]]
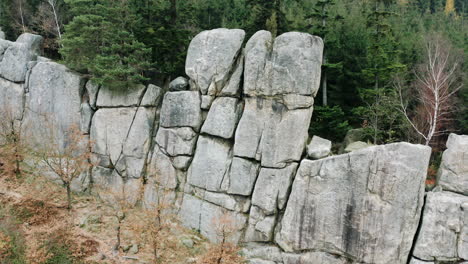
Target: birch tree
[[436, 83]]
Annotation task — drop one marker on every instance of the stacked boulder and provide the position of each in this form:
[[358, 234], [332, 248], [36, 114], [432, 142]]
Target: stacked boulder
[[229, 144], [245, 140], [443, 235]]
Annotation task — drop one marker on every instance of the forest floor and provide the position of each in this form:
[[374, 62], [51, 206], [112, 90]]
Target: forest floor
[[37, 228]]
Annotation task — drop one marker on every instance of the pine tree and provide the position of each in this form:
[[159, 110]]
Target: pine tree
[[99, 40], [383, 64], [163, 28], [320, 25], [266, 15]]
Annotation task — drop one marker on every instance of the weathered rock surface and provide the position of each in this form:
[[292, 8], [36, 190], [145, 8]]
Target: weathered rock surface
[[223, 117], [17, 55], [11, 99], [120, 98], [319, 148], [181, 109], [177, 141], [179, 84], [444, 231], [211, 56], [121, 137], [313, 258], [92, 90], [242, 176], [290, 64], [152, 95], [204, 216], [54, 102], [453, 172], [210, 164], [357, 146], [367, 193], [264, 132]]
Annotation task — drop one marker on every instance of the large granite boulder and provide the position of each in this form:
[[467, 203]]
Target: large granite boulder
[[343, 204], [54, 102], [223, 117], [11, 99], [121, 138], [289, 64], [319, 148], [453, 172], [444, 230], [181, 109], [211, 57], [17, 55], [131, 96], [264, 132], [210, 164], [205, 217]]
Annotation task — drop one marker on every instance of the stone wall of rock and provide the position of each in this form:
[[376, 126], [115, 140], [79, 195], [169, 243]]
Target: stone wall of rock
[[230, 142], [443, 234]]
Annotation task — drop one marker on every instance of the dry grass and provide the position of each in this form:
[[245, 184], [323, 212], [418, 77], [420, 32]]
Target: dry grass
[[88, 231]]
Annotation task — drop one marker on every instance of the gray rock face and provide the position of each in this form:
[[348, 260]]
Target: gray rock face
[[179, 84], [121, 136], [444, 231], [177, 141], [92, 89], [181, 109], [16, 56], [152, 95], [242, 176], [204, 216], [222, 118], [264, 132], [161, 171], [313, 258], [319, 148], [417, 261], [86, 115], [54, 102], [289, 64], [2, 35], [369, 192], [120, 98], [211, 56], [11, 99], [210, 163], [357, 146], [275, 196], [31, 41], [453, 172]]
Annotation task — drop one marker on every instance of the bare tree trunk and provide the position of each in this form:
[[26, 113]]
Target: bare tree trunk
[[52, 4], [69, 199], [324, 75], [117, 245], [21, 15]]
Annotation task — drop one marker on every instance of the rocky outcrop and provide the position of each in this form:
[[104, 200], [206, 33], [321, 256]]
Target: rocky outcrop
[[367, 191], [230, 143], [453, 173], [445, 216], [443, 235]]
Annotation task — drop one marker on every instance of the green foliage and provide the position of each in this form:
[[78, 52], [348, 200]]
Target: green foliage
[[99, 40], [329, 122], [367, 43]]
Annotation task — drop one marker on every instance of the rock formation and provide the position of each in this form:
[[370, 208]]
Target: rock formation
[[443, 234], [231, 140]]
